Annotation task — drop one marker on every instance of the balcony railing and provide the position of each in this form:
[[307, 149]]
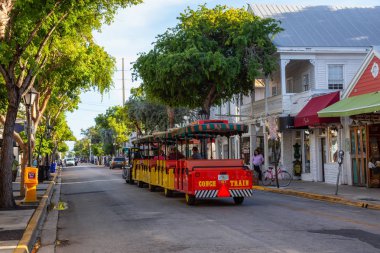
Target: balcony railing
[[288, 104]]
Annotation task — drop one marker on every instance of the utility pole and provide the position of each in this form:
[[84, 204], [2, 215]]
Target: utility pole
[[122, 78]]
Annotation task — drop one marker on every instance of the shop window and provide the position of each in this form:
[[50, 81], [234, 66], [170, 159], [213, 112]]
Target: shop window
[[274, 150], [335, 76], [274, 90], [245, 149], [333, 144], [306, 151], [298, 140]]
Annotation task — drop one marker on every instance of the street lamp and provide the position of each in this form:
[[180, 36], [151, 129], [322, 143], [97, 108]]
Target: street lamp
[[29, 99]]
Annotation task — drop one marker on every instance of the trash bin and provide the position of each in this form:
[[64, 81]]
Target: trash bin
[[43, 173], [53, 167]]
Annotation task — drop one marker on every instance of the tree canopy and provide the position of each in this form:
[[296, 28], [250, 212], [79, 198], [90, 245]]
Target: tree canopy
[[208, 57], [31, 41]]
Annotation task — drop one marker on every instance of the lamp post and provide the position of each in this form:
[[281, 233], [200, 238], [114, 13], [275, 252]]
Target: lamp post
[[29, 98]]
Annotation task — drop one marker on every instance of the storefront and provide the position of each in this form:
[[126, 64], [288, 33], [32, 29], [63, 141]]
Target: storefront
[[318, 139], [360, 109], [365, 156]]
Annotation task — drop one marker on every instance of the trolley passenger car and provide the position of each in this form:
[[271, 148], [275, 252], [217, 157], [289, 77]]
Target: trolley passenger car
[[196, 178]]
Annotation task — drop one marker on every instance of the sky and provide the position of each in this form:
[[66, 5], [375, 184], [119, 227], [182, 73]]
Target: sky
[[133, 31]]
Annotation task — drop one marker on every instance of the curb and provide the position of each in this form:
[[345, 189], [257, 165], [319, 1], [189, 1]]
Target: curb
[[26, 244], [315, 196]]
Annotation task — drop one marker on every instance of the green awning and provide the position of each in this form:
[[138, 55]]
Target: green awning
[[361, 104]]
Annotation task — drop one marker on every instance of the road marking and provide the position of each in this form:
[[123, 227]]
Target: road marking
[[61, 206], [93, 181]]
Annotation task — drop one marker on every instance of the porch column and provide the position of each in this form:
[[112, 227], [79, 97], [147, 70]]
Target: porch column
[[314, 81], [265, 119], [347, 167], [266, 149], [283, 76]]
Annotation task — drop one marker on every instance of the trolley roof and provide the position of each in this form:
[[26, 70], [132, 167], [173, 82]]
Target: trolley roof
[[197, 130], [205, 129], [144, 139]]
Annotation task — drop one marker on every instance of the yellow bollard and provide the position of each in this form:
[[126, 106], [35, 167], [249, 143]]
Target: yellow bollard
[[31, 182]]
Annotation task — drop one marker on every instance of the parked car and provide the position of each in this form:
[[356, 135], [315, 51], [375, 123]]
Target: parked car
[[117, 162], [70, 162]]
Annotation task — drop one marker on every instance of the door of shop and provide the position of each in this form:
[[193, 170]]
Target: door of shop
[[359, 140]]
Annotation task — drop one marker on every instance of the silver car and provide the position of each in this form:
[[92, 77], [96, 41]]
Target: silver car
[[70, 162]]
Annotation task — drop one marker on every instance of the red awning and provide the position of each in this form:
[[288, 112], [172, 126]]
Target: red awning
[[308, 116]]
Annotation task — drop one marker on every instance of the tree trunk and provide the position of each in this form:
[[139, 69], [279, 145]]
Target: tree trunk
[[210, 99], [170, 112], [6, 191]]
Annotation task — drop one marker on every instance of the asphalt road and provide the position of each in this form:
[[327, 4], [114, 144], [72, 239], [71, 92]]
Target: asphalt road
[[107, 215]]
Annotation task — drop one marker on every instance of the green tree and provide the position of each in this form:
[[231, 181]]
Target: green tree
[[208, 57], [147, 117], [26, 40], [82, 148], [114, 127]]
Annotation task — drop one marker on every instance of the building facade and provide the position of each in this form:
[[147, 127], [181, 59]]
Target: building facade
[[359, 111], [318, 58]]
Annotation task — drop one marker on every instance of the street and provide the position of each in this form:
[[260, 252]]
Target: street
[[107, 215]]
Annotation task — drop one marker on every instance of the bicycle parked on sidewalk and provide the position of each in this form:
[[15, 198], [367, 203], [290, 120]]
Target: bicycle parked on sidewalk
[[269, 177]]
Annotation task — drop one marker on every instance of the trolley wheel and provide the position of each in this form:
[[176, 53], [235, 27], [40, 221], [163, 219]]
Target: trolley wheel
[[151, 187], [190, 199], [238, 200], [140, 184], [168, 193]]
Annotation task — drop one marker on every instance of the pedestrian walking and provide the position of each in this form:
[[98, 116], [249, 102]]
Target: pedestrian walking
[[257, 161]]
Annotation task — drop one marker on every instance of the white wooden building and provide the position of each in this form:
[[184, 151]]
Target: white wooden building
[[319, 52]]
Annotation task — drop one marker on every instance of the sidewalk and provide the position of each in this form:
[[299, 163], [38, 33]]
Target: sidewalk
[[347, 194], [19, 226]]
